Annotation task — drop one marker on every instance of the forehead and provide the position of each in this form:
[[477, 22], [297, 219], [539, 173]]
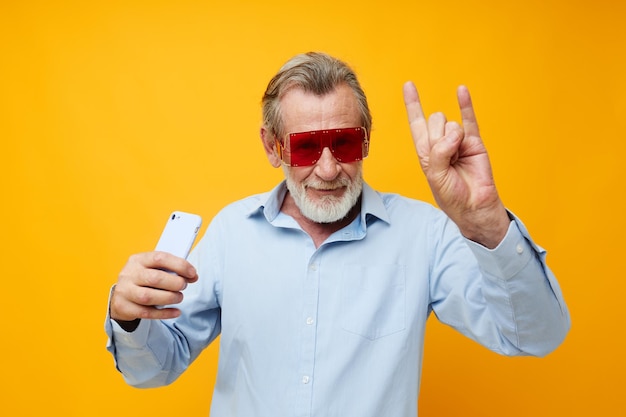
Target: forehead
[[302, 111]]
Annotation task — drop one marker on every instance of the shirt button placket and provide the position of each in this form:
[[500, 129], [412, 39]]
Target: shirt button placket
[[309, 335]]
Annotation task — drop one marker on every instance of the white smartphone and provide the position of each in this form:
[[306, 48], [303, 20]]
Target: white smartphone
[[179, 233]]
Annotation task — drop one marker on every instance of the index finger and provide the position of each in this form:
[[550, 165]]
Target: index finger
[[412, 102], [470, 125], [415, 114], [173, 263]]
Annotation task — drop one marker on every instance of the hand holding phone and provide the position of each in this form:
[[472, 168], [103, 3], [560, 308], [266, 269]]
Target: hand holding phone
[[139, 292]]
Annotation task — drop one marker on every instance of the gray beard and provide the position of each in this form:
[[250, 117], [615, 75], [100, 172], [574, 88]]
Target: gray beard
[[329, 209]]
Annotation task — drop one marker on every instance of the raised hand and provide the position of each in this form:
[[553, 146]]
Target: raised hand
[[455, 162]]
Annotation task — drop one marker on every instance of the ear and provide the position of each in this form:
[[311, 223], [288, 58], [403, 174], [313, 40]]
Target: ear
[[269, 145]]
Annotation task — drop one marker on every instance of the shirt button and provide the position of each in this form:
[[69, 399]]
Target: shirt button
[[313, 267], [309, 320], [519, 248], [306, 379]]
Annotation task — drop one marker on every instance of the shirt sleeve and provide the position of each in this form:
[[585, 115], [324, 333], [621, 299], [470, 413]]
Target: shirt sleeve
[[131, 351], [509, 301]]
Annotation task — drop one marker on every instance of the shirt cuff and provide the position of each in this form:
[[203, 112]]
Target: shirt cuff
[[508, 258], [138, 338]]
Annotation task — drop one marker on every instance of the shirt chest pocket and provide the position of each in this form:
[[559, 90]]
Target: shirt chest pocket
[[373, 300]]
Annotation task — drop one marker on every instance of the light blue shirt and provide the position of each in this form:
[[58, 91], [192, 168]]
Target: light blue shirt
[[339, 330]]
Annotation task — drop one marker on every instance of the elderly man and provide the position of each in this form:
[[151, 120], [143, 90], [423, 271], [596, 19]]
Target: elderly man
[[321, 288]]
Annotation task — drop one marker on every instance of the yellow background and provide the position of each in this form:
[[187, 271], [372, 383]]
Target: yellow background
[[114, 113]]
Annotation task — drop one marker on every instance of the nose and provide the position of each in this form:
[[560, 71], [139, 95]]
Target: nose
[[327, 167]]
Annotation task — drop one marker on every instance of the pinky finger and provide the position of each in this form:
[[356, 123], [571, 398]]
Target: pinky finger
[[159, 313]]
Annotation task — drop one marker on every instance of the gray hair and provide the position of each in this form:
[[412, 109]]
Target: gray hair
[[316, 73]]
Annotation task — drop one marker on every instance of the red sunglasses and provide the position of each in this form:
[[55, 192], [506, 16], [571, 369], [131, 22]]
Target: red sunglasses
[[305, 148]]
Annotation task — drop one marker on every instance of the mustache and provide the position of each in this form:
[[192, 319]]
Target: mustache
[[327, 185]]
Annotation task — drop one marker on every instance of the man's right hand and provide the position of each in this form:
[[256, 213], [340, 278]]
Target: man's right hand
[[144, 284]]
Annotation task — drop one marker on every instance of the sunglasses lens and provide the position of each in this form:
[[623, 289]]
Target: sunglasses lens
[[305, 148], [347, 144]]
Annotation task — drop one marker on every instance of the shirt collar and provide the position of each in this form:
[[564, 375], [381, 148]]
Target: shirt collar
[[372, 205], [269, 204]]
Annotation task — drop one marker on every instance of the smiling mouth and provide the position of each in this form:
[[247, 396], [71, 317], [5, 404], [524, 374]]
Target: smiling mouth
[[324, 194], [327, 186], [330, 189], [327, 189]]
